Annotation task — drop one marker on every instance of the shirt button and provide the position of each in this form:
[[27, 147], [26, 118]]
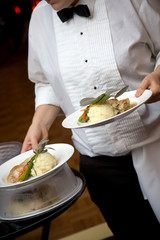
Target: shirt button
[[86, 60], [95, 87], [81, 33]]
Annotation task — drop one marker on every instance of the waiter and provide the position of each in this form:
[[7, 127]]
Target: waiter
[[80, 49]]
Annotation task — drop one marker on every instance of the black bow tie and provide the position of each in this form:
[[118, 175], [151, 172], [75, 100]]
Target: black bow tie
[[67, 13]]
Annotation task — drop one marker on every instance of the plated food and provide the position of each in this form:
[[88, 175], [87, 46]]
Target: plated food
[[129, 104], [39, 163], [105, 106], [58, 154], [98, 112]]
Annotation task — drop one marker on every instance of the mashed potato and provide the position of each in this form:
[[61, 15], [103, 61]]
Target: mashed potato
[[100, 112], [43, 163]]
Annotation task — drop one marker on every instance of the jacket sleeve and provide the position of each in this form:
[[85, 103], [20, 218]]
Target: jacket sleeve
[[44, 93], [149, 12]]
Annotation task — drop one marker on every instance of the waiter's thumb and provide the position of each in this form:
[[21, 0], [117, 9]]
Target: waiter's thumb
[[143, 86]]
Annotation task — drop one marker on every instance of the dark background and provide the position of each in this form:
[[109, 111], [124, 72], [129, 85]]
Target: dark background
[[14, 20]]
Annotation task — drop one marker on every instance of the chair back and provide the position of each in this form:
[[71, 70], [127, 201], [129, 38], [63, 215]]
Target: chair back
[[9, 150]]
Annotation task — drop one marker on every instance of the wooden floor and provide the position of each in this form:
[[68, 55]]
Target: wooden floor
[[16, 110]]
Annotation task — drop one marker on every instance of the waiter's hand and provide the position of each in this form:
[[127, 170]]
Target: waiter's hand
[[151, 82], [41, 123], [34, 135]]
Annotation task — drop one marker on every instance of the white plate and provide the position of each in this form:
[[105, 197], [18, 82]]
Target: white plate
[[72, 120], [62, 152]]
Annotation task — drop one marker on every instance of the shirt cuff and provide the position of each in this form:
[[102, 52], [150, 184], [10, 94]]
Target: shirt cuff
[[157, 60], [45, 95]]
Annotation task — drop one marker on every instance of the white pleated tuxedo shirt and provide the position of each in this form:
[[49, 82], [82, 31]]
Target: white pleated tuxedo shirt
[[118, 45]]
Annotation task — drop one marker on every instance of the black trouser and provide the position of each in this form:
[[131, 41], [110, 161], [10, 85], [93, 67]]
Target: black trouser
[[113, 185]]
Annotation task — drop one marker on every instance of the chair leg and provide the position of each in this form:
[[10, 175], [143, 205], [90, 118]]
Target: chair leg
[[45, 231]]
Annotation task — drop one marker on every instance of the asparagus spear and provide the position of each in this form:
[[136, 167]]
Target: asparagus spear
[[27, 171], [98, 99], [103, 100]]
